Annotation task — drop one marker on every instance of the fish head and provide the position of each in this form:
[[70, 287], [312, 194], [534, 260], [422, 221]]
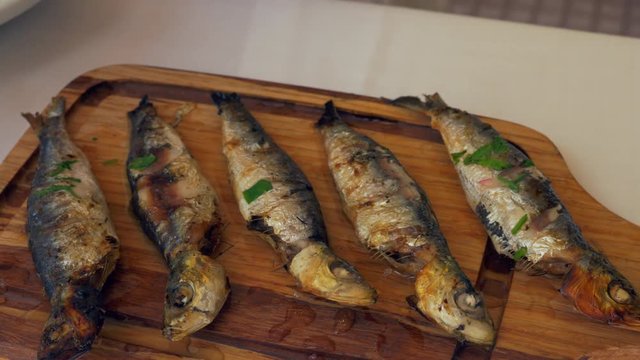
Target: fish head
[[445, 296], [321, 273], [601, 292], [196, 290]]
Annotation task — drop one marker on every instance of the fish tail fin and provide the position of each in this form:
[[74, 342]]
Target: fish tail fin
[[36, 120], [329, 117], [408, 102], [431, 102], [144, 102], [601, 292], [73, 324], [55, 109], [144, 108], [434, 102], [219, 98]]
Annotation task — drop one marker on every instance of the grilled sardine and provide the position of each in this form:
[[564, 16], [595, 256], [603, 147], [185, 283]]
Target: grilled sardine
[[392, 217], [277, 201], [525, 218], [177, 208], [71, 237]]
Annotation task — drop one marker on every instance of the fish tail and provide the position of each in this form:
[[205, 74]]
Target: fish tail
[[73, 324], [434, 102], [54, 110], [600, 292], [408, 102], [431, 103], [219, 98], [329, 117], [144, 110]]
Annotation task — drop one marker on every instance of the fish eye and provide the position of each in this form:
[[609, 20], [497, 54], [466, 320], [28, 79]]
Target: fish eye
[[469, 302], [181, 295], [340, 269], [618, 293]]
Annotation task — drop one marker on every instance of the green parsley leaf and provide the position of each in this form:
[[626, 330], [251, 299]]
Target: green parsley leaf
[[513, 184], [142, 162], [94, 138], [254, 192], [62, 166], [456, 156], [55, 188], [520, 253], [495, 164], [527, 163], [110, 162], [485, 155], [68, 179], [516, 229]]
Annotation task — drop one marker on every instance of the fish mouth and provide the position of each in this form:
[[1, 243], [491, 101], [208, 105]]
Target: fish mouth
[[323, 274], [600, 292], [178, 327], [477, 331]]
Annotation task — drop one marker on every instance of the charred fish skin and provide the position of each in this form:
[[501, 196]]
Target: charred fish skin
[[393, 217], [287, 215], [72, 240], [526, 220], [178, 210]]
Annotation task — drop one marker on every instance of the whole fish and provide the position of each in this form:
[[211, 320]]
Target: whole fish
[[71, 237], [525, 218], [277, 201], [392, 217], [177, 208]]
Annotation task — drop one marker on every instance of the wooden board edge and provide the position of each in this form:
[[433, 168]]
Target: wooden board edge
[[283, 92]]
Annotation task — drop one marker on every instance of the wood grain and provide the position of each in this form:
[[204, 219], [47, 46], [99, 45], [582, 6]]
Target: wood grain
[[266, 317]]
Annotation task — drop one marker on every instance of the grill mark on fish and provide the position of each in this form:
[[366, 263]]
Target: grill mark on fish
[[288, 215], [393, 217], [177, 209], [72, 241], [493, 228]]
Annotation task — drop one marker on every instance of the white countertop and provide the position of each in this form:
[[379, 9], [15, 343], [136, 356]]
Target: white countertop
[[580, 89]]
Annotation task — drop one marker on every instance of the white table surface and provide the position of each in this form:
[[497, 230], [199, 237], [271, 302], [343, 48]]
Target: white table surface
[[580, 89]]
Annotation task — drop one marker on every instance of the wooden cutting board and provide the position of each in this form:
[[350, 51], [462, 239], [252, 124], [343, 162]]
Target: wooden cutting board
[[266, 317]]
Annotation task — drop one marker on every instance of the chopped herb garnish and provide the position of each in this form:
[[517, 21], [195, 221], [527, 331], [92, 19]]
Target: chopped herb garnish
[[62, 166], [68, 179], [527, 163], [94, 138], [55, 188], [142, 162], [485, 155], [259, 188], [513, 184], [110, 162], [516, 229], [456, 156], [520, 253]]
